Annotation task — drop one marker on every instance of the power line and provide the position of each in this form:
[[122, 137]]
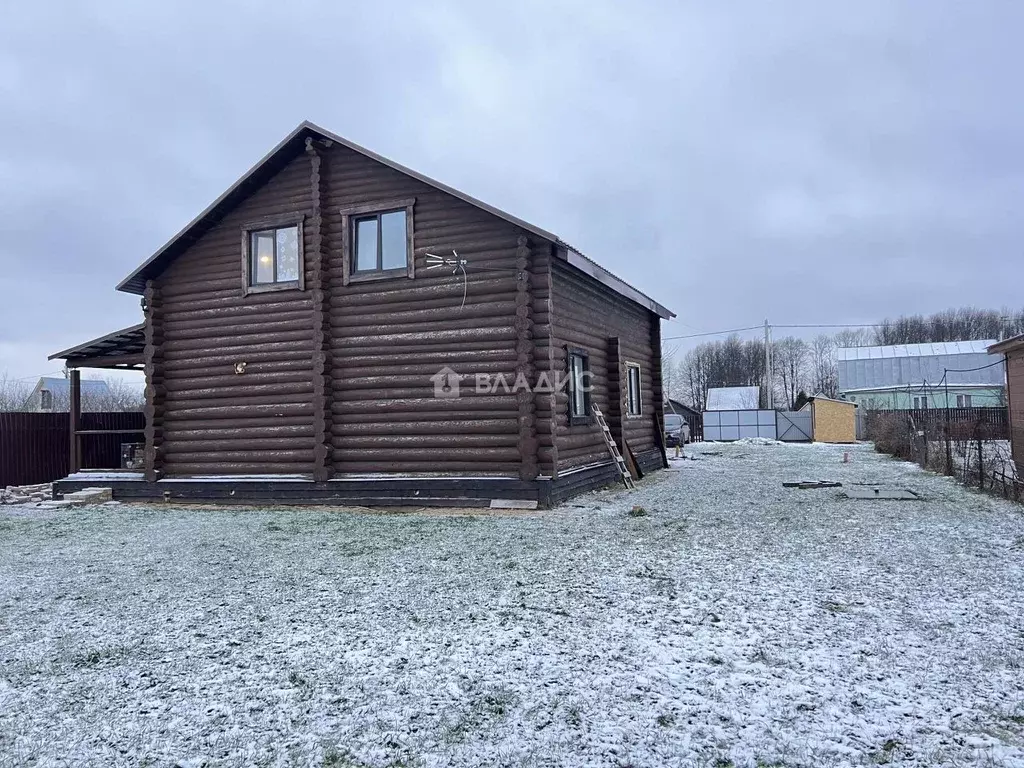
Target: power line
[[713, 333]]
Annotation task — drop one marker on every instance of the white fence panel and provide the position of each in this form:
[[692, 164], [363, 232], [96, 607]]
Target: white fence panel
[[734, 425]]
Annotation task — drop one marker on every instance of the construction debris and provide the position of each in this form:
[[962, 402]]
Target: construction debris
[[805, 484], [873, 492]]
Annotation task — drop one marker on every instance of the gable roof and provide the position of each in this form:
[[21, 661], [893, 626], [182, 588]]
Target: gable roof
[[60, 386], [294, 143]]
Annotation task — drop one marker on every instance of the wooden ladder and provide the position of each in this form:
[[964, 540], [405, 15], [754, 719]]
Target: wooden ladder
[[613, 449]]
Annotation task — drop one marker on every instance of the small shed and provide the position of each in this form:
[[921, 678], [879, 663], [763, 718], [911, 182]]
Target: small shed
[[832, 421], [1013, 349]]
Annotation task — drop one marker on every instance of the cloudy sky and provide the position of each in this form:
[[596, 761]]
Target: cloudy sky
[[803, 161]]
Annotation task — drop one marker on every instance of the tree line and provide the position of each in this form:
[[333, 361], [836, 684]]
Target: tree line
[[807, 367]]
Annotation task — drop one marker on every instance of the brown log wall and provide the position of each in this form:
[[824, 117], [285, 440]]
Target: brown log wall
[[587, 315], [389, 336], [211, 420], [338, 376]]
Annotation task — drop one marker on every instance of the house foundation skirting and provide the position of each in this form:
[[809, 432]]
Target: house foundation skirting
[[396, 491]]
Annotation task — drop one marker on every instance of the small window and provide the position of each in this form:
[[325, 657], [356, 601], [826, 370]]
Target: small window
[[959, 401], [272, 254], [45, 400], [380, 243], [378, 240], [579, 387], [967, 401], [633, 405]]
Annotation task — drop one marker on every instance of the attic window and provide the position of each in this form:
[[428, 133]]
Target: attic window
[[378, 240], [272, 254], [46, 400]]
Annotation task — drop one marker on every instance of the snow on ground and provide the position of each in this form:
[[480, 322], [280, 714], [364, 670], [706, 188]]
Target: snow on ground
[[736, 623]]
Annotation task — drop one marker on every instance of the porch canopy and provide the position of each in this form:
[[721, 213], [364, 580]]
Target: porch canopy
[[120, 350]]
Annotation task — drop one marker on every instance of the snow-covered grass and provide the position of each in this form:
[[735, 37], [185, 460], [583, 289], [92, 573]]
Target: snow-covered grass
[[736, 623]]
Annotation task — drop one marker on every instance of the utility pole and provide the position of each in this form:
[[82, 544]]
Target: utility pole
[[769, 399]]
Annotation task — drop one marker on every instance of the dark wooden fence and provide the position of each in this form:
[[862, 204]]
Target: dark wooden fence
[[34, 447], [996, 421]]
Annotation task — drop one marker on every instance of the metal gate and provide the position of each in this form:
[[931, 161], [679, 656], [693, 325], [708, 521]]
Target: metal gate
[[794, 426]]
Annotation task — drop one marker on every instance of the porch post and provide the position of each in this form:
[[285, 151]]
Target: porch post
[[75, 420]]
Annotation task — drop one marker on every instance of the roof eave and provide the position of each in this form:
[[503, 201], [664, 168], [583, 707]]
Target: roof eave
[[1008, 345]]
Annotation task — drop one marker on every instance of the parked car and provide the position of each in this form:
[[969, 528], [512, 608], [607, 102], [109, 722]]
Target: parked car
[[677, 431]]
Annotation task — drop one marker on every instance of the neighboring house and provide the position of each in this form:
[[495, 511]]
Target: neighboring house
[[1013, 349], [52, 394], [733, 399], [905, 376], [338, 318]]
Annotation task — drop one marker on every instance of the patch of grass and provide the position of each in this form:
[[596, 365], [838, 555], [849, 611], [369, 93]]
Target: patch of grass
[[834, 607], [637, 511], [886, 754], [666, 720]]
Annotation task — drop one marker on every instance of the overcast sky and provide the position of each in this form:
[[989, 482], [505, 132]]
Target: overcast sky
[[807, 162]]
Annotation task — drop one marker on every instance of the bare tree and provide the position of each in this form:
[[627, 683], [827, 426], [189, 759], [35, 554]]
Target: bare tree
[[824, 373], [790, 356], [13, 393]]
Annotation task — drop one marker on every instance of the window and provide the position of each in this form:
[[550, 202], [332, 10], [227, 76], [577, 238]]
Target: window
[[378, 240], [633, 406], [272, 257], [963, 401], [579, 387], [45, 400], [967, 401], [920, 402]]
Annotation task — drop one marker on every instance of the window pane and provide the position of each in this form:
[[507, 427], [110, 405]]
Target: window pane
[[577, 404], [263, 257], [287, 254], [366, 243], [393, 240]]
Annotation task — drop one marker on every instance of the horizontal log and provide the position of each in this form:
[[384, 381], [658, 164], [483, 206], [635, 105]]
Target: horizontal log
[[475, 454], [224, 376], [442, 444], [241, 391], [304, 456], [358, 326], [231, 326], [245, 444], [429, 417], [253, 429], [176, 467], [407, 405], [435, 426], [224, 347], [471, 468], [433, 337], [248, 410]]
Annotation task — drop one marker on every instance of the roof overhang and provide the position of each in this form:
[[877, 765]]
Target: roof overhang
[[1014, 344], [286, 151], [120, 349]]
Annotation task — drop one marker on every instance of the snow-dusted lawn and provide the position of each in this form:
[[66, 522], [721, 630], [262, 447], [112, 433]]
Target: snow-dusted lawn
[[738, 623]]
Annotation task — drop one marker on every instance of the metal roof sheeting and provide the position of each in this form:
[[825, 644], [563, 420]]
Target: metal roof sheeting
[[733, 399], [907, 365], [913, 350]]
